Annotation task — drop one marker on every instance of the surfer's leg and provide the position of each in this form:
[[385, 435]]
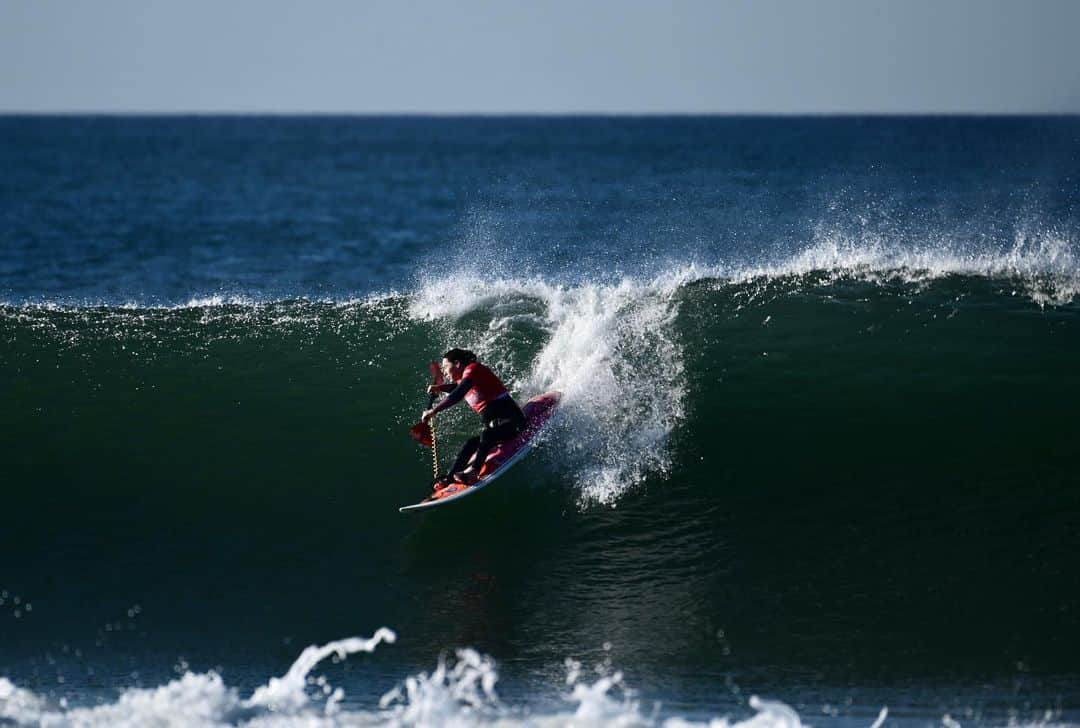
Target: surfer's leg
[[503, 421], [482, 450], [490, 437], [467, 451]]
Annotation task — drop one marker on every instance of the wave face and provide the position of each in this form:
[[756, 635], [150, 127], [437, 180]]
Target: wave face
[[817, 441]]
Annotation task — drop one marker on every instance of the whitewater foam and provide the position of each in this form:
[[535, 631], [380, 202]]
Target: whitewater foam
[[458, 692], [202, 699]]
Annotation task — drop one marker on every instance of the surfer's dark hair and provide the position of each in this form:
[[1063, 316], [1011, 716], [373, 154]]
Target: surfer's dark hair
[[459, 356]]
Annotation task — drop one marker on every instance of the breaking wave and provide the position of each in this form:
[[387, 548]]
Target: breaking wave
[[619, 350]]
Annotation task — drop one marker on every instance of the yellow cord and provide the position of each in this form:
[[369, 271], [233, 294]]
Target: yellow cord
[[434, 450]]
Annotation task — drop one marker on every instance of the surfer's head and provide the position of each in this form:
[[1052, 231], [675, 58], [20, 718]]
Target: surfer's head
[[455, 361]]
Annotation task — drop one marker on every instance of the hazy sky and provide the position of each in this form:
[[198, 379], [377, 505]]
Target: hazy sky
[[785, 56]]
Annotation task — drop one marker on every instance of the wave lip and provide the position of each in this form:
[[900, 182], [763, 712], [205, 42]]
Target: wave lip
[[1045, 266]]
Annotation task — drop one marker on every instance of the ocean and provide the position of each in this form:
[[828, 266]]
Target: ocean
[[815, 463]]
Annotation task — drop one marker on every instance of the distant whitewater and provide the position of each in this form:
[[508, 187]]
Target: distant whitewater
[[459, 691]]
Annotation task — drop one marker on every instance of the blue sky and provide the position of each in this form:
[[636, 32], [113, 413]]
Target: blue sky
[[466, 56]]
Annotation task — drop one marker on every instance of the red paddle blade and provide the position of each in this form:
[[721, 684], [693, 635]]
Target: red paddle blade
[[421, 432]]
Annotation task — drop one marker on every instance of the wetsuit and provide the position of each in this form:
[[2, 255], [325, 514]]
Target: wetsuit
[[503, 419]]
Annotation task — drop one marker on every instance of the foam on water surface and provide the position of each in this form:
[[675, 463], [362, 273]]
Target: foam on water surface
[[460, 692]]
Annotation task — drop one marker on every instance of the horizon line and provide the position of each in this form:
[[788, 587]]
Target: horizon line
[[528, 114]]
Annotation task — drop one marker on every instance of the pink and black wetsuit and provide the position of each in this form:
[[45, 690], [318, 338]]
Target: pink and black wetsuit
[[487, 396]]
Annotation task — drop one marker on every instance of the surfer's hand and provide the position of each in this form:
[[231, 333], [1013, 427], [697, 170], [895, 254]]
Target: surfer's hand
[[428, 414], [434, 389]]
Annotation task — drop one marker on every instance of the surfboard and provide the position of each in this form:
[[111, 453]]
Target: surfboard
[[538, 411]]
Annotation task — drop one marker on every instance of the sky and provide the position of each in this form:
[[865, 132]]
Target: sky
[[512, 56]]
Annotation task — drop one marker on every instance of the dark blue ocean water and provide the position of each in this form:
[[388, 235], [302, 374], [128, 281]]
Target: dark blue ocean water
[[138, 209], [817, 443]]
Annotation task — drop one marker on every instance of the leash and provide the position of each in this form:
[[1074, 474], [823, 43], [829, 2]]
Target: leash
[[434, 450], [436, 378]]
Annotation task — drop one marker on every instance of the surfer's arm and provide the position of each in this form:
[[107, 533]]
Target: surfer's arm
[[455, 396], [444, 388]]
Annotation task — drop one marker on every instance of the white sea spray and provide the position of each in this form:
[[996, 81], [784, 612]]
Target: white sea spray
[[607, 348], [459, 692]]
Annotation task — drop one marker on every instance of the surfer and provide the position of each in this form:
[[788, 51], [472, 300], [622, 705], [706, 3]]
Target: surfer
[[481, 388]]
